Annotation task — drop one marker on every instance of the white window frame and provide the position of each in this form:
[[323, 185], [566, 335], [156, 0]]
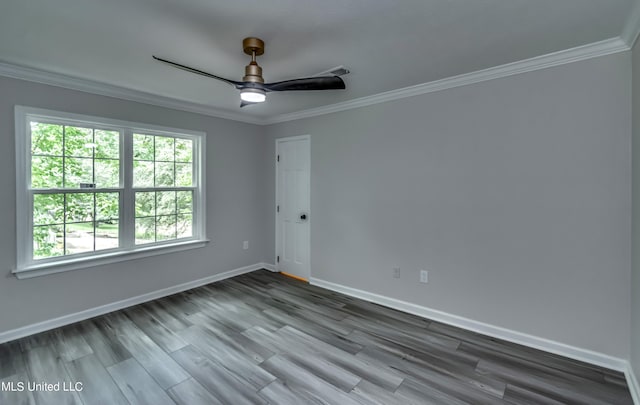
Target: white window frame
[[27, 267]]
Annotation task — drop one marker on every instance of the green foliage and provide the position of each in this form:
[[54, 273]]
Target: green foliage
[[47, 241], [84, 149], [78, 142], [46, 172], [65, 156], [143, 147], [161, 161], [163, 215], [46, 139]]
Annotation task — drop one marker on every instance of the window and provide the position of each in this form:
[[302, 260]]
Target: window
[[90, 189]]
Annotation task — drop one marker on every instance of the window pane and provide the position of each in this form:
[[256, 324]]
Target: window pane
[[166, 227], [185, 201], [46, 139], [47, 241], [145, 204], [79, 207], [184, 150], [76, 171], [79, 238], [164, 174], [142, 174], [164, 149], [142, 147], [48, 209], [46, 172], [107, 206], [107, 173], [107, 144], [78, 142], [145, 230], [183, 175], [185, 225], [166, 202], [107, 235]]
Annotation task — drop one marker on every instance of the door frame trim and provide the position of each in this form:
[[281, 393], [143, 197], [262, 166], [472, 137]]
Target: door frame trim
[[275, 158]]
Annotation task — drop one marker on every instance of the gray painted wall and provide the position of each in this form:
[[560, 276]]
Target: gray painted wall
[[635, 271], [234, 198], [515, 194]]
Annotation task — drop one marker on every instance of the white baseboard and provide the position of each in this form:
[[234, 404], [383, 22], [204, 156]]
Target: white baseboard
[[524, 339], [270, 267], [114, 306], [633, 383]]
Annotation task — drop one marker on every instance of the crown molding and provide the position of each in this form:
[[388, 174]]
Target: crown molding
[[593, 50], [632, 27], [602, 48], [104, 89]]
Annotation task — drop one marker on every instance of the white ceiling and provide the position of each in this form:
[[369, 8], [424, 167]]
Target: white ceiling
[[386, 44]]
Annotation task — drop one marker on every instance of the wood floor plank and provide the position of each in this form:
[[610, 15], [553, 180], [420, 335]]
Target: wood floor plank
[[191, 392], [370, 393], [159, 333], [69, 342], [151, 356], [98, 386], [16, 394], [299, 379], [253, 349], [346, 361], [280, 393], [414, 392], [216, 378], [158, 309], [137, 385], [105, 346], [520, 396], [319, 332], [231, 358], [45, 365], [11, 360]]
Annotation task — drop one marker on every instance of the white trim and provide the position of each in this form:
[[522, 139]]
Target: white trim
[[535, 342], [269, 266], [277, 247], [633, 383], [602, 48], [583, 52], [60, 266], [28, 330], [632, 26], [110, 90]]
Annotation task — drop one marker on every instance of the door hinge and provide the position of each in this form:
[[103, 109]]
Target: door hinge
[[278, 208], [278, 259], [278, 158]]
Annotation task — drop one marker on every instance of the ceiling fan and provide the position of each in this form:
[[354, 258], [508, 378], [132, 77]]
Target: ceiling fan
[[252, 88]]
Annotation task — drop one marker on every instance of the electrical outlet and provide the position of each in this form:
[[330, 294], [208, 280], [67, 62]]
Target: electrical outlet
[[424, 276], [396, 272], [245, 245]]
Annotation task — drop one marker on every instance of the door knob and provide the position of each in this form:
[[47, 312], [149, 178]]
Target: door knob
[[303, 216]]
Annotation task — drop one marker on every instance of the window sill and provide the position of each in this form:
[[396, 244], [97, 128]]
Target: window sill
[[36, 270]]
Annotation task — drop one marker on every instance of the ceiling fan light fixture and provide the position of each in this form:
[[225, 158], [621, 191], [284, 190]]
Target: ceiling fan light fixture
[[253, 95]]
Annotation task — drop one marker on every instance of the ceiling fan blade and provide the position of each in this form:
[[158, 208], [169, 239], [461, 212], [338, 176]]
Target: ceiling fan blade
[[198, 72], [309, 83]]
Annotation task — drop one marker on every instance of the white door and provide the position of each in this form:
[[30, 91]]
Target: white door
[[292, 206]]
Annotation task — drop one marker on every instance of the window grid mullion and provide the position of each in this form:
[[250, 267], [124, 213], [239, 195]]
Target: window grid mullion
[[127, 197]]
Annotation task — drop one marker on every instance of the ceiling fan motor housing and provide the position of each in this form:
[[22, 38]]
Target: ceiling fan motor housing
[[253, 73]]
